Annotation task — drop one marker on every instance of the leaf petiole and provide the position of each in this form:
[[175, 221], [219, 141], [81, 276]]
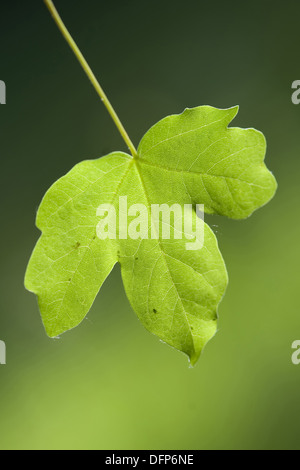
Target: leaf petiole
[[90, 75]]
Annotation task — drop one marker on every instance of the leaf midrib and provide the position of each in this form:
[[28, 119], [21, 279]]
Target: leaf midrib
[[199, 173], [164, 254], [183, 133]]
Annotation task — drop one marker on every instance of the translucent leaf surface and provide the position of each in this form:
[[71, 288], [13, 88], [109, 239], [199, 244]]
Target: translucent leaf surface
[[192, 158]]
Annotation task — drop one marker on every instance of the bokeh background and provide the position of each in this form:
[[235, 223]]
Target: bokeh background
[[109, 384]]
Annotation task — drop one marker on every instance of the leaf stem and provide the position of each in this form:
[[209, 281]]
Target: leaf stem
[[90, 75]]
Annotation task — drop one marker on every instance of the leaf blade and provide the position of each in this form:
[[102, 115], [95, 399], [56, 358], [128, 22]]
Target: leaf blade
[[175, 292], [218, 166], [191, 158], [70, 263]]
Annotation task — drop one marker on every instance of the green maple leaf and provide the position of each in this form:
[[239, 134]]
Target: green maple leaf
[[187, 159]]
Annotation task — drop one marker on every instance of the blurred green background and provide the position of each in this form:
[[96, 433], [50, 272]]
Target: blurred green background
[[109, 384]]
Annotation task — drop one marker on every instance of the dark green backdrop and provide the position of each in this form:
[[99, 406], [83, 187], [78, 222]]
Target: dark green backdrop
[[109, 384]]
